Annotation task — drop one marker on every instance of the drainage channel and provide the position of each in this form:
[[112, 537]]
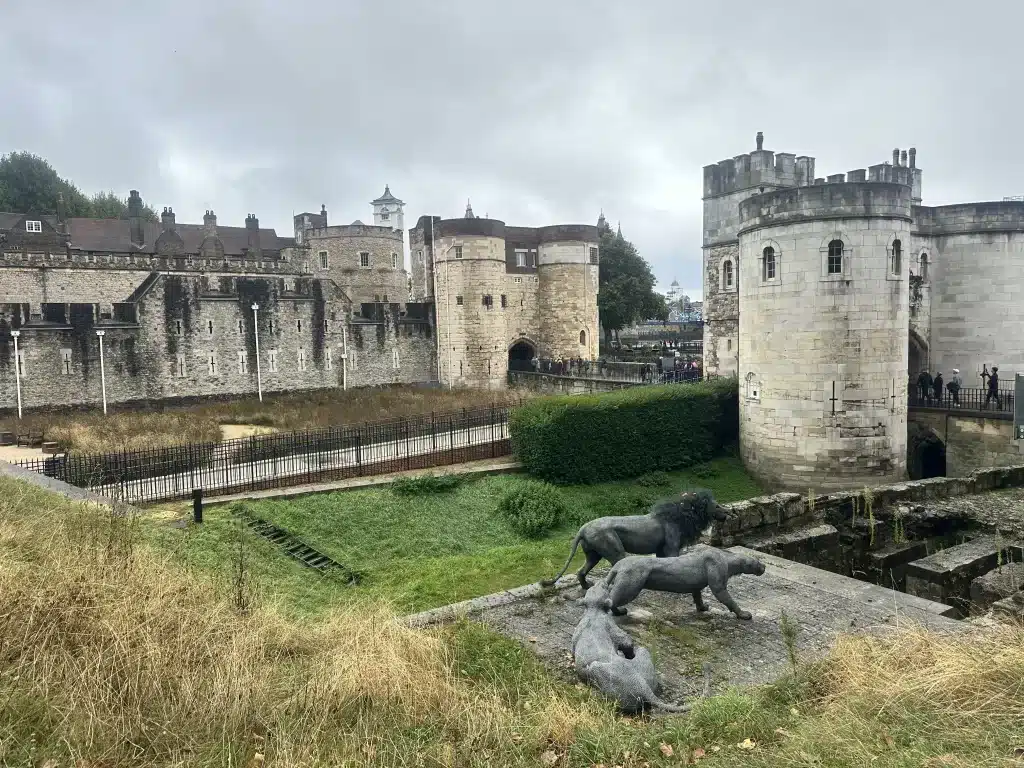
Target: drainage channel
[[298, 549]]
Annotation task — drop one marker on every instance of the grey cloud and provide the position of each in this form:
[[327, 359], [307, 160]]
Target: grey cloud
[[539, 111]]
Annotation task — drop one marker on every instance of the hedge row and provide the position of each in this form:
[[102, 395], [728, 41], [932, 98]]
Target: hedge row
[[592, 438]]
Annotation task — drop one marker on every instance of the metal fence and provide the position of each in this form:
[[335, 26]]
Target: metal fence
[[286, 459], [622, 371], [974, 399]]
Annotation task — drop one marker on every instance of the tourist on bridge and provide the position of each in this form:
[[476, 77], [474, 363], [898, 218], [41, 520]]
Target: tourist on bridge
[[954, 386], [993, 388], [937, 387], [924, 385]]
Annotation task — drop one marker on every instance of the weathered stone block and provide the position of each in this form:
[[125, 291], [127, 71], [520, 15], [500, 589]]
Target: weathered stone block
[[997, 584]]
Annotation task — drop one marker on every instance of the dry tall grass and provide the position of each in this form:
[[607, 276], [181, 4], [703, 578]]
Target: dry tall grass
[[92, 432]]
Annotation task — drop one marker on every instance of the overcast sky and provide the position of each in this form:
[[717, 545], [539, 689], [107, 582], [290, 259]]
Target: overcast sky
[[540, 112]]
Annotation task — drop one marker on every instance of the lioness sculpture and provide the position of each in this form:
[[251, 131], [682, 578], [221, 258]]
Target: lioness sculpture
[[668, 527], [605, 657], [701, 566]]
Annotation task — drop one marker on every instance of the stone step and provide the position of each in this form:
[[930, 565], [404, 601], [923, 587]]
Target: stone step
[[997, 584], [946, 575], [846, 587], [814, 544]]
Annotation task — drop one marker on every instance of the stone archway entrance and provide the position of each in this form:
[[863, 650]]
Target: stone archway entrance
[[926, 453], [917, 356], [520, 356]]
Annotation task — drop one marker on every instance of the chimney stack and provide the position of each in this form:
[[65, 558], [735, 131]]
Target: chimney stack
[[913, 158], [895, 157], [760, 140], [903, 158], [167, 219], [323, 213], [252, 230], [210, 224], [135, 222]]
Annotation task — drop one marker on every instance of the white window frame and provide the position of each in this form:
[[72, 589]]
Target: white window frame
[[458, 251], [847, 255], [593, 255], [364, 260], [34, 226], [521, 257], [324, 259], [777, 252], [243, 362], [731, 288], [517, 279], [897, 274]]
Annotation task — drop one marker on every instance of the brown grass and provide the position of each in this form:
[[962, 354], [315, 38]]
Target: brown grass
[[92, 432], [111, 655]]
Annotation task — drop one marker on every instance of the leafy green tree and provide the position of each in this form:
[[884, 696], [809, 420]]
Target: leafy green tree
[[627, 292], [28, 183]]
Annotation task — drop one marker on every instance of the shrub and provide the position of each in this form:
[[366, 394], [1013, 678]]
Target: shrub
[[532, 508], [424, 484], [593, 438], [653, 479], [705, 471]]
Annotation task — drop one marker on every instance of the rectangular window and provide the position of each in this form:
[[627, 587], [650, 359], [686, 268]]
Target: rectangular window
[[65, 362], [504, 301], [33, 226], [532, 260], [211, 360], [385, 216], [518, 279], [593, 255], [273, 361], [520, 258], [323, 259], [384, 298], [364, 259], [302, 359], [458, 300], [243, 362], [394, 359], [458, 251], [181, 367], [835, 265], [188, 259], [328, 363], [394, 261], [488, 301]]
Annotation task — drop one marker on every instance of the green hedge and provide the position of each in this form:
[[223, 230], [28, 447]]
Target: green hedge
[[592, 438]]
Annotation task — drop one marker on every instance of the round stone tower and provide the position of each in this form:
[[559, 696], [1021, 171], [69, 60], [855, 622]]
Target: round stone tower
[[567, 265], [823, 327], [469, 257]]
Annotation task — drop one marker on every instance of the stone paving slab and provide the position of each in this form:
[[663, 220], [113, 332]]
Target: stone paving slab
[[820, 604]]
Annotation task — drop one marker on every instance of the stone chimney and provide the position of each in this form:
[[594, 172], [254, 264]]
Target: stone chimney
[[760, 141], [913, 157], [135, 220], [167, 219], [895, 157], [323, 213], [903, 158], [210, 224], [252, 230]]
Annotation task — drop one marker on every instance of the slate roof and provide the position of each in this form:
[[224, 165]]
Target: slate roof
[[387, 197], [114, 236]]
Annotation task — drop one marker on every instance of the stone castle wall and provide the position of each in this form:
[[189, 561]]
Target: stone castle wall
[[567, 291], [972, 441], [807, 336], [384, 279]]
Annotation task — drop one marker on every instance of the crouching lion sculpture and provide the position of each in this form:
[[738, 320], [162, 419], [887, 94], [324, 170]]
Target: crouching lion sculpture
[[664, 531], [700, 567], [605, 657]]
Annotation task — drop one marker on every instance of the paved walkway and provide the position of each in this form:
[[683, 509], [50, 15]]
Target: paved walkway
[[225, 475]]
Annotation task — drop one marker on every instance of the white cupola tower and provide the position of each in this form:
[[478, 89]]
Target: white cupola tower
[[389, 211]]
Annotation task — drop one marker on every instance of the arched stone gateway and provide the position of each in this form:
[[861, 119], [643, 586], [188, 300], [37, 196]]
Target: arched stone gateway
[[926, 453], [520, 355]]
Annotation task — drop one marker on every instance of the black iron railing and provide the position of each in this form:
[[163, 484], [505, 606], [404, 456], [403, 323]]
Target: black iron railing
[[638, 373], [965, 400], [286, 459]]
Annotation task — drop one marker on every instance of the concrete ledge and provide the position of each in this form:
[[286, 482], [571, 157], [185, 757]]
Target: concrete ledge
[[57, 486]]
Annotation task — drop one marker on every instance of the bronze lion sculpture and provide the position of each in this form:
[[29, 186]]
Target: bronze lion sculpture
[[669, 526]]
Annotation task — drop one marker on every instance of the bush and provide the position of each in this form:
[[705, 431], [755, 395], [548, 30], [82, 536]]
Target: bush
[[654, 479], [532, 508], [424, 484], [594, 438], [705, 471]]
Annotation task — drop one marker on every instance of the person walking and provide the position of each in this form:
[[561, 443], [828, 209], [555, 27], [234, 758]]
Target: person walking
[[993, 388], [954, 386], [924, 385], [937, 387]]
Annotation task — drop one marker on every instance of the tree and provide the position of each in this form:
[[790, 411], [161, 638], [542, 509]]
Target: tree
[[627, 292], [29, 184]]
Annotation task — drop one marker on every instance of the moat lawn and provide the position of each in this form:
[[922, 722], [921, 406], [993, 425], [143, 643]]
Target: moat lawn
[[419, 551]]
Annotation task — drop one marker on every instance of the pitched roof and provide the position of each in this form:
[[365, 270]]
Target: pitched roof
[[387, 197], [114, 236]]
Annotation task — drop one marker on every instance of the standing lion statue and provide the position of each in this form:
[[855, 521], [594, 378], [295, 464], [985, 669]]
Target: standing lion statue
[[669, 526]]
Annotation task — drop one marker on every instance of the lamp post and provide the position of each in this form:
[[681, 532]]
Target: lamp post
[[17, 369], [103, 372], [256, 331]]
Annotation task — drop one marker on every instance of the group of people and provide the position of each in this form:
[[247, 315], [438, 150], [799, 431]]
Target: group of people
[[932, 389], [600, 368]]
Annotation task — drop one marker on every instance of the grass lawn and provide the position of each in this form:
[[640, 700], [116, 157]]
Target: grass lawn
[[421, 551]]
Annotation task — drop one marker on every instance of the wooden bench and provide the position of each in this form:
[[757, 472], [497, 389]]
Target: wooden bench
[[6, 438], [30, 440]]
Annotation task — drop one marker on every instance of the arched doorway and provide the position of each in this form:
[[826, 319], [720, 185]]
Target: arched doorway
[[520, 356], [917, 356], [926, 453]]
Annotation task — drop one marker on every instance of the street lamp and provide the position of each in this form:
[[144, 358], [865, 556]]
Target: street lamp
[[17, 369], [103, 372], [256, 330]]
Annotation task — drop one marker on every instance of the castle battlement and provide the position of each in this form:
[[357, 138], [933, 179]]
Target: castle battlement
[[762, 167], [835, 199], [185, 263]]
